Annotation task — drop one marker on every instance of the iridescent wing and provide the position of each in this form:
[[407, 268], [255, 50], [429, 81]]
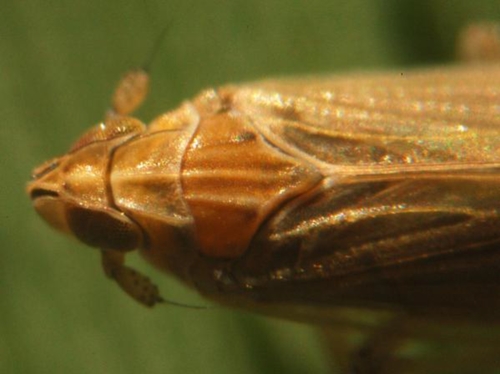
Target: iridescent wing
[[408, 214], [399, 245]]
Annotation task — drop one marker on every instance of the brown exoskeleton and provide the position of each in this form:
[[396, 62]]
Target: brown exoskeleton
[[302, 197]]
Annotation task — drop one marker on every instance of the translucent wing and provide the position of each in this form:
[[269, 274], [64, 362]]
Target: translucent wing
[[409, 119], [397, 250], [408, 214]]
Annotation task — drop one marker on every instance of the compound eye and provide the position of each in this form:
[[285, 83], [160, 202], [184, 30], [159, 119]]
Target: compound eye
[[104, 229], [113, 128]]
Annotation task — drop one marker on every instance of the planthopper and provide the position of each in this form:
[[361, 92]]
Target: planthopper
[[368, 203]]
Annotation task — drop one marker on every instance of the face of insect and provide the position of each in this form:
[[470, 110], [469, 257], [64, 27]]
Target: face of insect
[[118, 189], [71, 193]]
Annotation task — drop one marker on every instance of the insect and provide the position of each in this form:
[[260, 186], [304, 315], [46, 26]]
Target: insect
[[300, 197]]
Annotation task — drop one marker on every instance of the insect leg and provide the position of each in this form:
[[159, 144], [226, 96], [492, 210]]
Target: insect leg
[[479, 43], [413, 344], [372, 348], [378, 349]]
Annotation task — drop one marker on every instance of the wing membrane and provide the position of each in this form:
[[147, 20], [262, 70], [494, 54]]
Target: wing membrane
[[425, 244], [417, 118], [408, 215]]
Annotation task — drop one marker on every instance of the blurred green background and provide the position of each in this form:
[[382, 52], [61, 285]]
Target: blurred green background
[[60, 61]]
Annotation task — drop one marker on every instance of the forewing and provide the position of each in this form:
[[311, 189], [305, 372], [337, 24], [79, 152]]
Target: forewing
[[407, 216], [407, 118]]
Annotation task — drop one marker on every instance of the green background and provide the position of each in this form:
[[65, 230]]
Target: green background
[[59, 62]]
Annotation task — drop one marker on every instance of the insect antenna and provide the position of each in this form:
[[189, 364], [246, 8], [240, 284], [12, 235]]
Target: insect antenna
[[188, 306], [156, 47], [133, 88]]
